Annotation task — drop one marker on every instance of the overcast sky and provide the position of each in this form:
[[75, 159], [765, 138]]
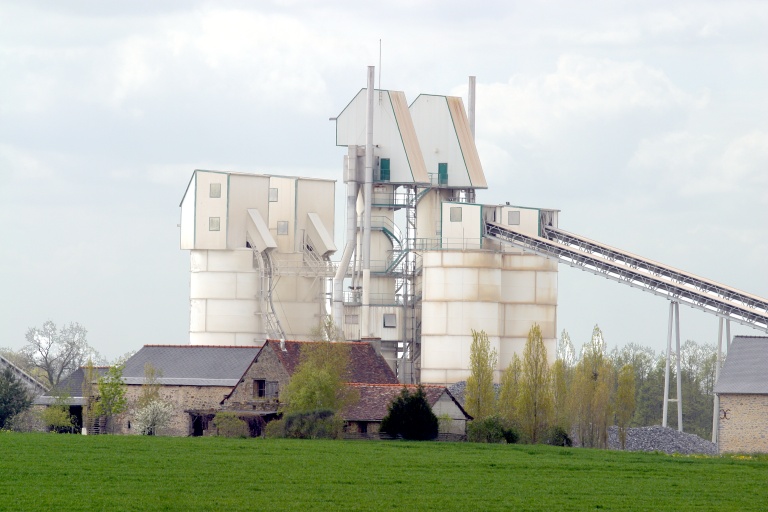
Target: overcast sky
[[645, 123]]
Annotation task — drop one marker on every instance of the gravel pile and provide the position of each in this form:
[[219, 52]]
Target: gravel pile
[[658, 438]]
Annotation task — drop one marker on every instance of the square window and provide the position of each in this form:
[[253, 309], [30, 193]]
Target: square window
[[214, 223], [272, 195], [390, 320], [455, 213], [351, 319], [215, 190], [513, 218], [282, 227]]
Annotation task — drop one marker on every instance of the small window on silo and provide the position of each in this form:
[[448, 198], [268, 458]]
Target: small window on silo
[[513, 218], [272, 195], [351, 319], [282, 227], [214, 223], [390, 320], [455, 213], [215, 190]]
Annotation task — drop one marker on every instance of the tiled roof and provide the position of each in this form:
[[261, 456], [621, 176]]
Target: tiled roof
[[746, 367], [375, 399], [191, 365], [365, 364]]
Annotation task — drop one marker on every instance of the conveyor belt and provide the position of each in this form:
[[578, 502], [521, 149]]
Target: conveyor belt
[[627, 268]]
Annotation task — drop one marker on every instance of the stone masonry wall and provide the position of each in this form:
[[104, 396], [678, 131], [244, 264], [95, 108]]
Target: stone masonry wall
[[743, 425], [183, 398], [267, 367]]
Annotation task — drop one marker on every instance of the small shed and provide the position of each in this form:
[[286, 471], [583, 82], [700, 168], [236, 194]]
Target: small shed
[[743, 391], [364, 417]]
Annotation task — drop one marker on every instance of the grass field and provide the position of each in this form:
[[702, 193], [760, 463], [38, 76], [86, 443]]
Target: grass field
[[70, 472]]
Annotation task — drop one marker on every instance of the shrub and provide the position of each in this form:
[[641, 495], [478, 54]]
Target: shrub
[[156, 414], [228, 424], [410, 417], [27, 421], [491, 430], [557, 436], [275, 428], [320, 424]]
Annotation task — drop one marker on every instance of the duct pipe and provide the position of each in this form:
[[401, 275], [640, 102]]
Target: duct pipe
[[471, 106], [353, 186], [368, 192]]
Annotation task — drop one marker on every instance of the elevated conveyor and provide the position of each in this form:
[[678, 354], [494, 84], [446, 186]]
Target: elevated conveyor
[[670, 283]]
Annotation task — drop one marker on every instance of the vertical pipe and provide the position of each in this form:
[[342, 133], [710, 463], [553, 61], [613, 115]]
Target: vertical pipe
[[666, 369], [368, 192], [679, 375], [471, 106], [718, 362]]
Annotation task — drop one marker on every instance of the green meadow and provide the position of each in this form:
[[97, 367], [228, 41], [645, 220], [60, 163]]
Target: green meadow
[[70, 472]]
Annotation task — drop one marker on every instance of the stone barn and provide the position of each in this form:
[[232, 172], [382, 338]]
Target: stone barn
[[743, 390], [193, 378], [364, 418]]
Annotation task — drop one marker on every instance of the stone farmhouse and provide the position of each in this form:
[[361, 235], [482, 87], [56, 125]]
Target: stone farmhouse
[[743, 390], [364, 417]]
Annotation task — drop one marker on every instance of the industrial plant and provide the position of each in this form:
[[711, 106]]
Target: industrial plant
[[422, 263]]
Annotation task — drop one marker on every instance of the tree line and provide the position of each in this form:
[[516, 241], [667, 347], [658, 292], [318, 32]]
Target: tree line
[[579, 396]]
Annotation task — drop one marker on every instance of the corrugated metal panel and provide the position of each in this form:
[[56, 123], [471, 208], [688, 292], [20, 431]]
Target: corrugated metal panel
[[467, 143], [408, 134]]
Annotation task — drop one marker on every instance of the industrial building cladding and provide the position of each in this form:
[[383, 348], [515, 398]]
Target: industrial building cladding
[[416, 272], [230, 223]]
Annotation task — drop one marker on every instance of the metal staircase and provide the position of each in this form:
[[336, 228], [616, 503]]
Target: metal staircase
[[664, 281]]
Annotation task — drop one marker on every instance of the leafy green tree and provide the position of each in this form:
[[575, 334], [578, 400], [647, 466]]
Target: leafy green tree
[[150, 388], [561, 384], [410, 416], [57, 352], [593, 383], [318, 382], [509, 390], [13, 396], [625, 401], [480, 396], [534, 402], [111, 400], [565, 350]]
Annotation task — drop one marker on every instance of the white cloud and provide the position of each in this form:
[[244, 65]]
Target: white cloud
[[581, 89]]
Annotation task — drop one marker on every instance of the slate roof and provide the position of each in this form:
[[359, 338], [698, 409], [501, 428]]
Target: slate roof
[[72, 385], [746, 367], [34, 387], [365, 364], [375, 399], [191, 365]]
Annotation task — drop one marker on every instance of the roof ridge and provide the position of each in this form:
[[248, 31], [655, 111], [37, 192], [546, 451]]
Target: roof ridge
[[201, 346]]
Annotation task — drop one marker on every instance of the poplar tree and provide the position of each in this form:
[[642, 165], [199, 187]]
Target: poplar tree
[[625, 401], [510, 388], [593, 381], [534, 402], [480, 397]]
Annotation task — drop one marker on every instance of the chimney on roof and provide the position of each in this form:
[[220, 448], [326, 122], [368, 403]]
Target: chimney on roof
[[282, 345]]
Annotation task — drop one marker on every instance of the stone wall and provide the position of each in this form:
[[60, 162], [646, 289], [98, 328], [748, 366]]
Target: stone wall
[[743, 424], [183, 398], [266, 367]]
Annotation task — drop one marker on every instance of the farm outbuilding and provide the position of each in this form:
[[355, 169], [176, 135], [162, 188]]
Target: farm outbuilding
[[743, 391], [364, 417]]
